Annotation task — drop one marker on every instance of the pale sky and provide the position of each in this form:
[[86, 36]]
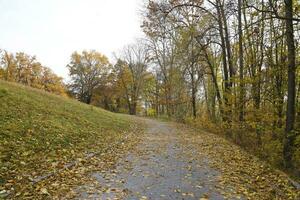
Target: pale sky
[[53, 29]]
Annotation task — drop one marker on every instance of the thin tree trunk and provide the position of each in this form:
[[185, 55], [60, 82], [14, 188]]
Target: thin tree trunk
[[194, 103], [209, 113], [225, 68], [241, 63], [156, 98], [214, 79], [194, 90], [227, 44]]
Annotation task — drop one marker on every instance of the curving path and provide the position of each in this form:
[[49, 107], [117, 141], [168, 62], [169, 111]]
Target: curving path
[[162, 167], [173, 163]]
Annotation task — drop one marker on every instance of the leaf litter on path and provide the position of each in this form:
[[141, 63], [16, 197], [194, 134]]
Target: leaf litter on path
[[175, 162]]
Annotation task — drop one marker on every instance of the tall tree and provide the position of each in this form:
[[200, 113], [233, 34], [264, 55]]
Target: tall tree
[[132, 68], [290, 111], [87, 70], [241, 62]]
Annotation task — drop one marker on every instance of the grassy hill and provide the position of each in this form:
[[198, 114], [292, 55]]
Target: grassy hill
[[40, 132]]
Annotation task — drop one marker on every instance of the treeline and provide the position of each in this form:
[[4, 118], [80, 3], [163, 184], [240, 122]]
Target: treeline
[[116, 87], [231, 66], [26, 70]]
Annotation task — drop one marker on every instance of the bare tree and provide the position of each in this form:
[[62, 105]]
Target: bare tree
[[133, 59]]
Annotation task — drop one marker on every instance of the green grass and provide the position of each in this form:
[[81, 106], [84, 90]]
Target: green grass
[[40, 132]]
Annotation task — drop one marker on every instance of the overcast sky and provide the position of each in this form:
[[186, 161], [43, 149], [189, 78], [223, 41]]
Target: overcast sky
[[53, 29]]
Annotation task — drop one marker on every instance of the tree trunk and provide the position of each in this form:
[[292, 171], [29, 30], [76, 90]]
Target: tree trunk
[[208, 106], [290, 111], [241, 63], [194, 90], [215, 82], [225, 68], [227, 43], [88, 99], [194, 102], [156, 98]]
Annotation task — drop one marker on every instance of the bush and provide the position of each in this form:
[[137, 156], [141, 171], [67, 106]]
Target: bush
[[150, 112], [273, 151], [296, 157], [3, 92]]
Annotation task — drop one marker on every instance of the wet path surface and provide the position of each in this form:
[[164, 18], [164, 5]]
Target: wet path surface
[[164, 166]]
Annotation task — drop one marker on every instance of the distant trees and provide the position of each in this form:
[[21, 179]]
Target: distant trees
[[87, 71], [115, 87], [25, 69]]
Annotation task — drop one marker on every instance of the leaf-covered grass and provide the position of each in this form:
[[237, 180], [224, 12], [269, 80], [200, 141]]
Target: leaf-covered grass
[[40, 132]]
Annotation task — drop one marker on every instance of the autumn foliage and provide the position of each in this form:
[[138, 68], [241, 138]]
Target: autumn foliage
[[26, 70], [231, 67]]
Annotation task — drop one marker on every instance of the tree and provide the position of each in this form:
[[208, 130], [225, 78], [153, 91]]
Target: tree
[[8, 65], [50, 82], [241, 62], [87, 70], [162, 46], [291, 106], [131, 69]]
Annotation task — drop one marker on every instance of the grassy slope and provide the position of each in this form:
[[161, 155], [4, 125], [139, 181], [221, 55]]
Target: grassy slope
[[40, 131]]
